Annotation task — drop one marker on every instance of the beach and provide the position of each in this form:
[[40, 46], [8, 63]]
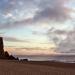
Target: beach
[[11, 67]]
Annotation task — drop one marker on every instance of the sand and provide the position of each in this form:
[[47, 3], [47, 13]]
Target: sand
[[9, 67]]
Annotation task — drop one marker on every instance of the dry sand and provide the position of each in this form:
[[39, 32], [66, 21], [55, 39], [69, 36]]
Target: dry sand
[[9, 67]]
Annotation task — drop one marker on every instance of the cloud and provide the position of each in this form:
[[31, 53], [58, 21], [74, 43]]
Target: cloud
[[55, 10], [52, 10], [47, 10], [39, 33], [68, 44], [60, 32], [36, 48], [15, 8], [13, 39], [64, 40], [10, 5], [56, 35], [29, 51]]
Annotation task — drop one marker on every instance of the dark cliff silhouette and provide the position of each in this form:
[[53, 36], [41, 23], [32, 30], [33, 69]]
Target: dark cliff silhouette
[[1, 47], [5, 54]]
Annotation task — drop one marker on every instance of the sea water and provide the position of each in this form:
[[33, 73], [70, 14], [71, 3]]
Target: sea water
[[61, 58]]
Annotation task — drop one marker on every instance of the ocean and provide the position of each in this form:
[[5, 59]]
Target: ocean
[[61, 58]]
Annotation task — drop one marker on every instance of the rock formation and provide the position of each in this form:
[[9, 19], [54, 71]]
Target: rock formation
[[5, 54], [1, 47]]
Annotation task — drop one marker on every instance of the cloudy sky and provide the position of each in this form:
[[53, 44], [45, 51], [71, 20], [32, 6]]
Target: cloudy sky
[[38, 27]]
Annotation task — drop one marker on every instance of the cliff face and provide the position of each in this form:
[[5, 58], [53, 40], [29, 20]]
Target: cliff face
[[1, 47]]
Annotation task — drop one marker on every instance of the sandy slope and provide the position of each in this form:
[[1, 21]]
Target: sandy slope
[[17, 68]]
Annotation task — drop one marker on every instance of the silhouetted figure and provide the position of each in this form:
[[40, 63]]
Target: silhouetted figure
[[1, 47]]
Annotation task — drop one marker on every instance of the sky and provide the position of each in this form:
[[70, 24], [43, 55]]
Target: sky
[[38, 27]]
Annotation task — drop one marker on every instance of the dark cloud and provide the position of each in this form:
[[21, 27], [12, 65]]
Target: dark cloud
[[64, 43], [69, 43], [13, 39], [60, 32], [56, 35], [53, 10], [27, 48]]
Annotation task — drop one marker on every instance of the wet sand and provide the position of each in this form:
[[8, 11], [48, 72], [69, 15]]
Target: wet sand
[[10, 67]]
